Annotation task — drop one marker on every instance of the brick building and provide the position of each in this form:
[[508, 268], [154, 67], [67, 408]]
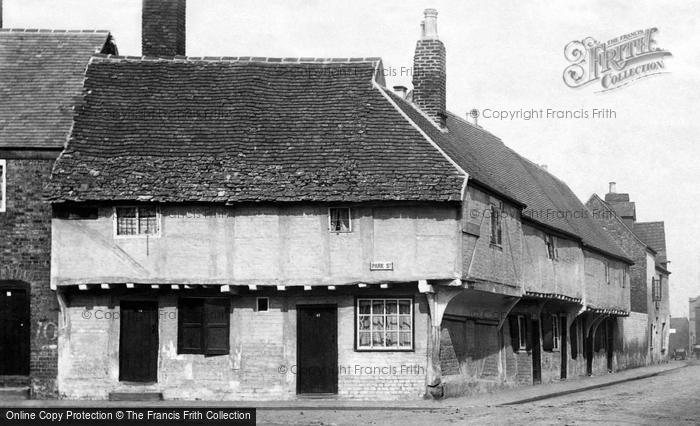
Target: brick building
[[267, 228], [41, 74], [645, 243]]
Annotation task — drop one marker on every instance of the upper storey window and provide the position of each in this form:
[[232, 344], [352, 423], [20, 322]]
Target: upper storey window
[[136, 221]]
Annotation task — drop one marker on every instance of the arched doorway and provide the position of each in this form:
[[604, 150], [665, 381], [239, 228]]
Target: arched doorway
[[14, 328]]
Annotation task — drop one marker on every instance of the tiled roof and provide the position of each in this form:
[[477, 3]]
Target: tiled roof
[[41, 75], [489, 162], [654, 235], [245, 130]]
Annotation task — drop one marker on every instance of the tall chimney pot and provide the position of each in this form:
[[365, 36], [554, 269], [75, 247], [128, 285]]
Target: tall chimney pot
[[612, 188], [430, 24]]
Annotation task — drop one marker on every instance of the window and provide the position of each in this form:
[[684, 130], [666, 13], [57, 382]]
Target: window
[[3, 179], [656, 292], [607, 271], [384, 324], [518, 332], [551, 247], [263, 304], [522, 333], [496, 230], [339, 219], [651, 336], [550, 332], [75, 212], [624, 276], [134, 221], [203, 326]]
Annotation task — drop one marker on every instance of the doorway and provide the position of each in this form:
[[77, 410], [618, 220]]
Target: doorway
[[317, 349], [14, 329], [138, 342]]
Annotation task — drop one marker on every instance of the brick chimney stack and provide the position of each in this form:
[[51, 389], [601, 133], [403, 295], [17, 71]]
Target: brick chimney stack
[[429, 71], [622, 206], [163, 28]]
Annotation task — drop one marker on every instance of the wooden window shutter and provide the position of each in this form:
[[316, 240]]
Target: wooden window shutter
[[190, 338], [216, 326], [514, 340], [547, 332]]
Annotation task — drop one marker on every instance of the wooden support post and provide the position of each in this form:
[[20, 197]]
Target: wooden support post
[[504, 315], [438, 298]]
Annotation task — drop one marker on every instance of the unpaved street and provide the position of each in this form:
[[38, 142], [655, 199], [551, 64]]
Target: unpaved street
[[670, 398]]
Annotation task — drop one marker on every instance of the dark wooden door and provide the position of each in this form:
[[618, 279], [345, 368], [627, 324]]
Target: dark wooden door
[[317, 349], [536, 353], [563, 347], [14, 331], [138, 342]]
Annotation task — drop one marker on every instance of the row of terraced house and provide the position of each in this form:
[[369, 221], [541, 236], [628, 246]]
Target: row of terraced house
[[258, 228]]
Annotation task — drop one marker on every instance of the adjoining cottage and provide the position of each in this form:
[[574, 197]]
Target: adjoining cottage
[[41, 75], [649, 324], [261, 228]]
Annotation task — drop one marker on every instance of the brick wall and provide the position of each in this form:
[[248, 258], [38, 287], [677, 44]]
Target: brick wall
[[24, 256], [260, 344], [163, 27]]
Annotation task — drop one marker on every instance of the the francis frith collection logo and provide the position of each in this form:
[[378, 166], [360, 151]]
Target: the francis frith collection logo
[[616, 62]]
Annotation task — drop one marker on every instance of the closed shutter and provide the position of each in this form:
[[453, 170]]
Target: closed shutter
[[216, 326], [514, 341], [190, 321], [547, 333]]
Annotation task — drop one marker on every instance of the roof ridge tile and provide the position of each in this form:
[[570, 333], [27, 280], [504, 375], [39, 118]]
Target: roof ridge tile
[[52, 31], [250, 59]]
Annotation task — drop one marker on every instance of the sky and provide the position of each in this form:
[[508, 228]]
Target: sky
[[501, 55]]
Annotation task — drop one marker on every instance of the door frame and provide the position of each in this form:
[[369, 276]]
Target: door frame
[[9, 285], [155, 350], [298, 308]]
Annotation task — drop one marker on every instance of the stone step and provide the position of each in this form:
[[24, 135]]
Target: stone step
[[14, 393], [14, 381], [135, 396]]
